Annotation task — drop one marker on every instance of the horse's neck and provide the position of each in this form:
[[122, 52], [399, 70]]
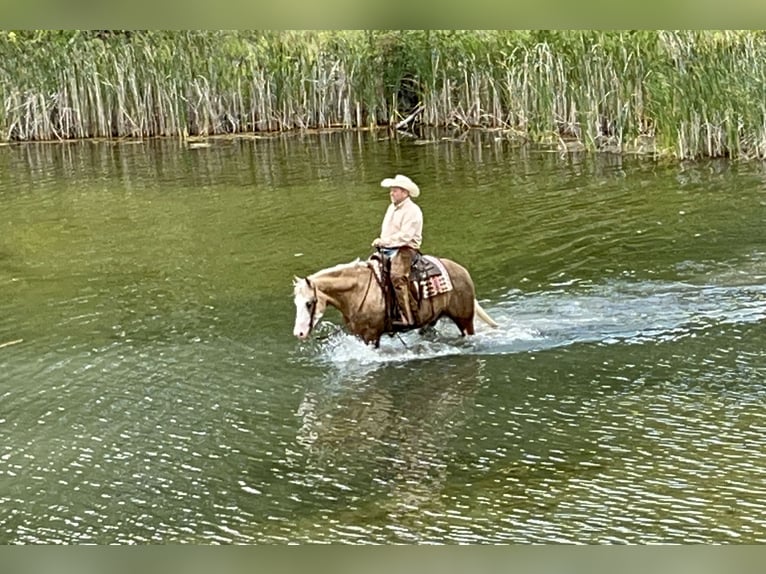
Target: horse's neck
[[340, 287]]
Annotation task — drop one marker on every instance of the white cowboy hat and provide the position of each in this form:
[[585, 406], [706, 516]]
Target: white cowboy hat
[[402, 181]]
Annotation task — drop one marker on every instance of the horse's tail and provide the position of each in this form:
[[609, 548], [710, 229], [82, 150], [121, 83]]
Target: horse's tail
[[483, 314]]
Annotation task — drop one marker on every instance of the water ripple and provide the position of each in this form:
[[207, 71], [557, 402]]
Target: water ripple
[[157, 395]]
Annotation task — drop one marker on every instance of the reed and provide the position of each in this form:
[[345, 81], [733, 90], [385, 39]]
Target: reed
[[688, 94]]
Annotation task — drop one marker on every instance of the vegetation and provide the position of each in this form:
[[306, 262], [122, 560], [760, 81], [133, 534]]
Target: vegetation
[[687, 93]]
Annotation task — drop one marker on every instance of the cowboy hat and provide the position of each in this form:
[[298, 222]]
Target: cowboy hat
[[402, 181]]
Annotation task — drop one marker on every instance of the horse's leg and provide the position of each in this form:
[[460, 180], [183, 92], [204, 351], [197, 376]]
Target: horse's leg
[[465, 324], [372, 340], [428, 327], [372, 337], [457, 309], [428, 330]]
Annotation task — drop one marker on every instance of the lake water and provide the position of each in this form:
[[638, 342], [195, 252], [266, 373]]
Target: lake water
[[151, 390]]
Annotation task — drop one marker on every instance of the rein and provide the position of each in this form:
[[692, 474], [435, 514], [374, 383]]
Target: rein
[[367, 292]]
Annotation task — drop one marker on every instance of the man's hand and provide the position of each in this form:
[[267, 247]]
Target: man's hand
[[377, 242]]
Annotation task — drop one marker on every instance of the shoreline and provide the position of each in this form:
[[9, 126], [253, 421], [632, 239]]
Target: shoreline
[[645, 147]]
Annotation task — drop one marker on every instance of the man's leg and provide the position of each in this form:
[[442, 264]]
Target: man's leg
[[400, 271]]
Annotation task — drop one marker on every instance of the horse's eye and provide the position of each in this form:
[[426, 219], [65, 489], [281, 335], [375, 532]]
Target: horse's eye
[[308, 304]]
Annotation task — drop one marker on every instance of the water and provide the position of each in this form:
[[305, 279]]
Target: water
[[157, 395]]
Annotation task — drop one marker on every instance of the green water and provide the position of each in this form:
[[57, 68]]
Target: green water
[[158, 396]]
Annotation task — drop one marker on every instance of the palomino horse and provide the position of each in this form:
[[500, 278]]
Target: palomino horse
[[355, 290]]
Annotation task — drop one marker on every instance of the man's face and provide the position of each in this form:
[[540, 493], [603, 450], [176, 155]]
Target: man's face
[[398, 195]]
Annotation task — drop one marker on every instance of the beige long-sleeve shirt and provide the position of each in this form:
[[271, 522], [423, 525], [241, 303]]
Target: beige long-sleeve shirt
[[402, 225]]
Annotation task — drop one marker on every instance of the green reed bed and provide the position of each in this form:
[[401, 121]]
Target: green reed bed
[[686, 94]]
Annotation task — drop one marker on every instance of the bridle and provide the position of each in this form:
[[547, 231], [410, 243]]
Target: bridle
[[312, 303], [312, 306]]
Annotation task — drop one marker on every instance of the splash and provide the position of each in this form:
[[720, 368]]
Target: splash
[[617, 312]]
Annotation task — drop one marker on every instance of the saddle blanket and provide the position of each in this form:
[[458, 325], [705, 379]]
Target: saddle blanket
[[435, 284], [426, 287]]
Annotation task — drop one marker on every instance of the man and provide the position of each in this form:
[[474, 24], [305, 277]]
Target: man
[[400, 237]]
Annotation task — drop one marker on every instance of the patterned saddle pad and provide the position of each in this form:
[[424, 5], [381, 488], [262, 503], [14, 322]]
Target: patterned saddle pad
[[429, 277]]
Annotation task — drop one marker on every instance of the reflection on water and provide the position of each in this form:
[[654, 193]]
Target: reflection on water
[[408, 425], [157, 395], [659, 448]]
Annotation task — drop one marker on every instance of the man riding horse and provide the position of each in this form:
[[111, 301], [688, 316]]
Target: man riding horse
[[400, 237], [359, 290]]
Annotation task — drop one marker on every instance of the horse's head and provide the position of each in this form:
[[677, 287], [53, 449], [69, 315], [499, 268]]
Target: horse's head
[[309, 307]]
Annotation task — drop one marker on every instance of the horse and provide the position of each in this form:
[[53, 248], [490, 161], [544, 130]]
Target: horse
[[357, 291]]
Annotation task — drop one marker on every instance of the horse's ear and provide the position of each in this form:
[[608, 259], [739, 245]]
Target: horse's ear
[[296, 280]]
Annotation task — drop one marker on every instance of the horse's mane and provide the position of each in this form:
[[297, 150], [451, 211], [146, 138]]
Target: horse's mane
[[339, 269]]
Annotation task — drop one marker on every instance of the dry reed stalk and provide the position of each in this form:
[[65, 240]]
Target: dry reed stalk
[[696, 93]]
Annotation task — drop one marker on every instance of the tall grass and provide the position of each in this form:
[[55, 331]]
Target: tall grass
[[687, 93]]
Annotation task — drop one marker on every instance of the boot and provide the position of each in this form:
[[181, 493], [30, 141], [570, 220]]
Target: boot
[[403, 299]]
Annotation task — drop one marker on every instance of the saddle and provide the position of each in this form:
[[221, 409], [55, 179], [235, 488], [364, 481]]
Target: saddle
[[427, 278]]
